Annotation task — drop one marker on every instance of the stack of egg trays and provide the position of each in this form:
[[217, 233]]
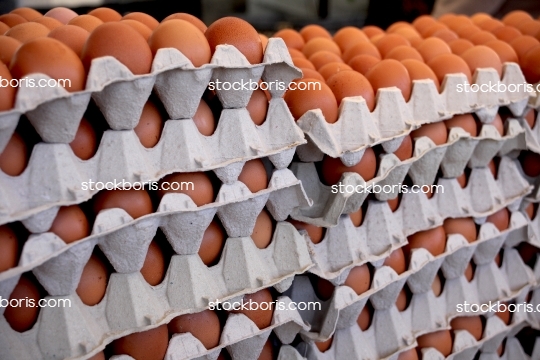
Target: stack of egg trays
[[54, 176]]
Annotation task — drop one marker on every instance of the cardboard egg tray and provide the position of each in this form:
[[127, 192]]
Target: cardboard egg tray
[[131, 304], [513, 350], [393, 118]]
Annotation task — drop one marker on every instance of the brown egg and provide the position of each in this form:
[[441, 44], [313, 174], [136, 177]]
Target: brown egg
[[492, 168], [9, 248], [150, 125], [254, 175], [505, 316], [480, 17], [506, 33], [357, 217], [262, 232], [317, 95], [501, 219], [261, 317], [93, 283], [189, 18], [393, 203], [122, 42], [436, 286], [506, 52], [364, 319], [153, 269], [482, 37], [148, 345], [73, 36], [313, 31], [423, 21], [516, 17], [258, 106], [401, 301], [3, 28], [267, 352], [468, 31], [359, 279], [482, 57], [389, 42], [363, 48], [435, 28], [70, 224], [445, 35], [404, 52], [469, 272], [333, 68], [321, 58], [432, 47], [530, 210], [84, 145], [465, 122], [410, 354], [363, 63], [197, 185], [237, 32], [396, 260], [433, 240], [390, 73], [410, 34], [333, 168], [139, 27], [530, 163], [351, 83], [440, 340], [371, 31], [27, 13], [459, 46], [14, 157], [212, 244], [58, 61], [296, 53], [143, 18], [264, 41], [323, 346], [204, 326], [420, 71], [303, 63], [312, 74], [27, 31], [323, 288], [87, 22], [204, 119], [435, 131], [349, 36], [462, 180], [320, 44], [473, 324], [136, 203], [292, 38], [530, 117], [192, 43], [523, 44], [529, 65], [463, 226], [62, 14], [398, 24], [12, 20], [449, 64], [8, 47], [23, 317], [106, 14], [315, 233]]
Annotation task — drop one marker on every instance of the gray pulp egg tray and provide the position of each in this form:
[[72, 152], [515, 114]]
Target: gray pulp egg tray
[[54, 174]]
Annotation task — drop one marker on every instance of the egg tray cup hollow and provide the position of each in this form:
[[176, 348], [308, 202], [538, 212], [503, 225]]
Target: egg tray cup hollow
[[534, 196], [532, 136], [393, 118], [125, 240], [513, 351], [460, 151], [55, 113]]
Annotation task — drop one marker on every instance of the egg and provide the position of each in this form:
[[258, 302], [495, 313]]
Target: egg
[[262, 317], [14, 157], [482, 37], [506, 33], [429, 31], [237, 32], [122, 42], [463, 226], [333, 68], [482, 57], [514, 18], [313, 31], [320, 44], [317, 95], [139, 27], [396, 260], [204, 326], [197, 185], [530, 117], [84, 145], [435, 131], [106, 14], [27, 31], [445, 35], [529, 65], [70, 224], [363, 63], [459, 46], [142, 18], [493, 168], [401, 301], [468, 31], [9, 248], [323, 346], [93, 283], [436, 286], [351, 83], [323, 288], [332, 168], [480, 17], [472, 324], [3, 28], [57, 61], [404, 52], [263, 229], [357, 217], [522, 45], [432, 47], [150, 125], [531, 27], [372, 30], [312, 74], [73, 36], [389, 42], [363, 48], [204, 119], [530, 163], [264, 41], [87, 22], [506, 52], [423, 21], [136, 203], [7, 98], [23, 317], [212, 243], [267, 352], [62, 14], [465, 122], [420, 71], [27, 13], [148, 345], [323, 57], [433, 240], [258, 106], [394, 203], [390, 73], [359, 279], [303, 63], [364, 319], [530, 210], [501, 219], [296, 53], [348, 36], [505, 315], [469, 272], [449, 64], [153, 269], [292, 38], [315, 233], [440, 340], [491, 24], [189, 18], [12, 20], [462, 180], [398, 24], [192, 43], [410, 354], [410, 33], [254, 176], [8, 47]]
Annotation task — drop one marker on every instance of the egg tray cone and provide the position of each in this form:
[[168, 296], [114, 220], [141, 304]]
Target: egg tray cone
[[125, 240], [393, 118], [55, 113]]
